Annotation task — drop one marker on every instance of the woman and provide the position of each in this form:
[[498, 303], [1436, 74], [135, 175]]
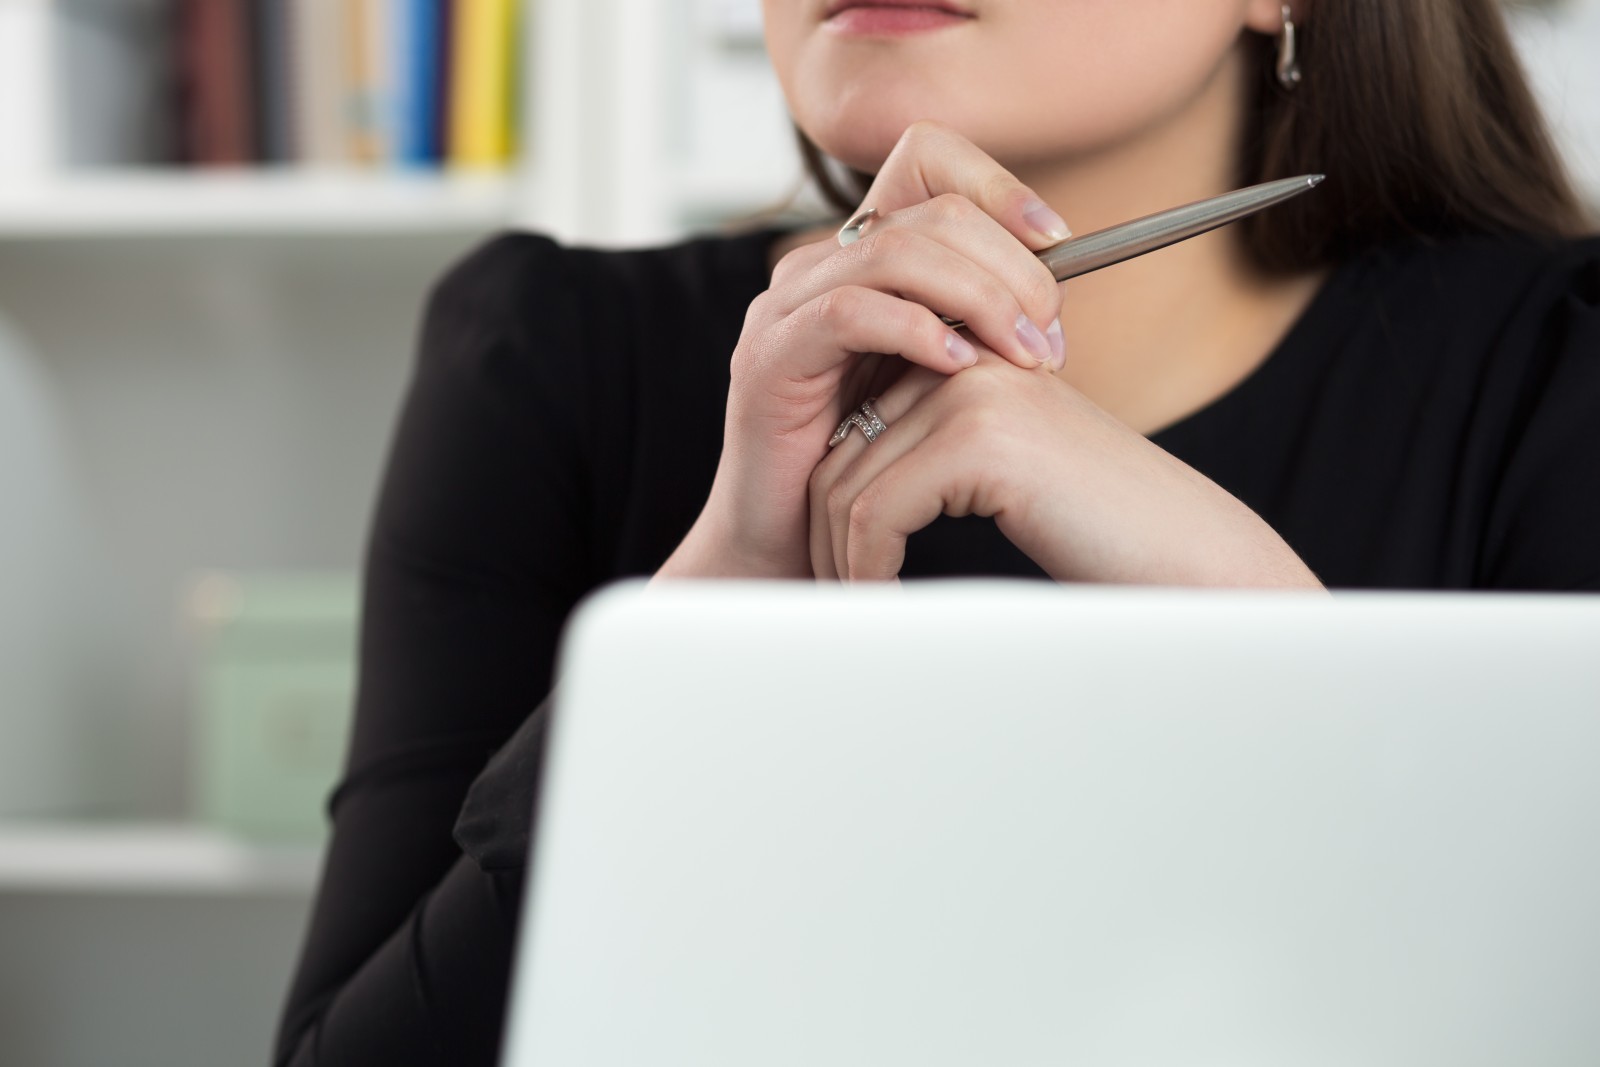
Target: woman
[[1392, 381]]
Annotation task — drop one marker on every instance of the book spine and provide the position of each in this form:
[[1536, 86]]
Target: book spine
[[237, 85], [217, 74], [416, 49], [439, 105], [481, 83], [317, 56], [361, 117], [385, 69], [272, 82]]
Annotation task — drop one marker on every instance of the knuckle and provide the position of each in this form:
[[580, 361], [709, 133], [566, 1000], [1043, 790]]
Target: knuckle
[[863, 514], [837, 307], [759, 309], [1001, 187], [787, 266], [1043, 296], [838, 500], [912, 321], [994, 293], [750, 355], [951, 209], [890, 244]]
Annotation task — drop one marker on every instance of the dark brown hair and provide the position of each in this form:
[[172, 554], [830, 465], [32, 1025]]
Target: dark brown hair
[[1417, 110]]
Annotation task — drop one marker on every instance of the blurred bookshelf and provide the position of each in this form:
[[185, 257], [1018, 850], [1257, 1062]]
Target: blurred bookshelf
[[160, 118], [153, 203], [177, 858], [205, 340]]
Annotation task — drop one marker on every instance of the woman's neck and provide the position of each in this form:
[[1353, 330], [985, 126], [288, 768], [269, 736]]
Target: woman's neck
[[1158, 337]]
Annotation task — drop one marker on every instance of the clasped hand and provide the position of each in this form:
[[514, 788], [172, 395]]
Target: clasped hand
[[979, 422]]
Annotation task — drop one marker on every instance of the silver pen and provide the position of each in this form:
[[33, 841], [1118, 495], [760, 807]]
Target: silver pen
[[1080, 255]]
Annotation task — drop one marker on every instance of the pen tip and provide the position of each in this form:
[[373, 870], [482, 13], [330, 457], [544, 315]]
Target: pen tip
[[1315, 180]]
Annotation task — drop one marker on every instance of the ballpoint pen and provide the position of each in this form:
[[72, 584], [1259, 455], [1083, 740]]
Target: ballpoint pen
[[1080, 255]]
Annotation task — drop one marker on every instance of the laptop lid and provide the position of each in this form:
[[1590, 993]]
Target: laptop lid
[[1015, 823]]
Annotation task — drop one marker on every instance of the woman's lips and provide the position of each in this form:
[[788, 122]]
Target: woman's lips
[[892, 21]]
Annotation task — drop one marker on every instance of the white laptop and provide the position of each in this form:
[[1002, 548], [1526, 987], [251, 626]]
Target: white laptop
[[1009, 824]]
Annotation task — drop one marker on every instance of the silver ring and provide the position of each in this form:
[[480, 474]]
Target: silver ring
[[866, 418], [851, 231]]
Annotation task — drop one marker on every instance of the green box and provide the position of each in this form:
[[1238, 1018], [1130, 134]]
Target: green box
[[275, 687]]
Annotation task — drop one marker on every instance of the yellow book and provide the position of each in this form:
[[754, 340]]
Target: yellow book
[[482, 83]]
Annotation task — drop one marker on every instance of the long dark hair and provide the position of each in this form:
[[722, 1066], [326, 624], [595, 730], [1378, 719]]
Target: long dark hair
[[1419, 112]]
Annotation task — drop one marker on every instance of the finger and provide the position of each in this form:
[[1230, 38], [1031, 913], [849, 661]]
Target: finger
[[840, 477], [950, 257], [931, 159], [968, 229], [821, 538], [904, 496], [892, 398], [844, 485], [799, 261], [901, 389], [830, 329]]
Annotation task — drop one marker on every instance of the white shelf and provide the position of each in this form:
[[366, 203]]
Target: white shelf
[[155, 203], [148, 859]]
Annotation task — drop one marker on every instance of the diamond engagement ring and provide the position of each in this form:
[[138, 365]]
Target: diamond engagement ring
[[866, 417], [851, 231]]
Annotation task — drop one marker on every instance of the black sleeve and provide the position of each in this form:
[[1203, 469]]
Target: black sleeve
[[477, 554], [1544, 522]]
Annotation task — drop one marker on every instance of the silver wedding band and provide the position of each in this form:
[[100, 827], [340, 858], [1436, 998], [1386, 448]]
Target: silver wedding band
[[852, 230], [865, 418]]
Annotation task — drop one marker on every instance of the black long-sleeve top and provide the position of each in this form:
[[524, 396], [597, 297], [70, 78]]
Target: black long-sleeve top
[[1431, 422]]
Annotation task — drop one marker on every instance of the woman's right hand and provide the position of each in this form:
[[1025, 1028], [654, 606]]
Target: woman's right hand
[[955, 232]]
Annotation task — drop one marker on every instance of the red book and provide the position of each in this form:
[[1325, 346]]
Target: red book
[[218, 120]]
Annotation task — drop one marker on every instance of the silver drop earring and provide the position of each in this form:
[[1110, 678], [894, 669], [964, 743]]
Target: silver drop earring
[[1288, 62]]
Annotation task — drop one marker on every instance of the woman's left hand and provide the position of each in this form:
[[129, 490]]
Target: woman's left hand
[[1084, 496]]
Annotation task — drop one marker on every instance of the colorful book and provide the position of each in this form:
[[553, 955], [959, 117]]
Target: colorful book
[[317, 59], [215, 52], [272, 68], [441, 103], [482, 83], [418, 84], [369, 72]]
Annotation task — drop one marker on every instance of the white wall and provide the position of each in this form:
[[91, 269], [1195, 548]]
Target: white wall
[[1560, 46]]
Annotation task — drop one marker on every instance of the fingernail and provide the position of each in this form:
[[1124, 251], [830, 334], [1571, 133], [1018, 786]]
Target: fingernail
[[960, 349], [1038, 215], [1033, 340], [1058, 345]]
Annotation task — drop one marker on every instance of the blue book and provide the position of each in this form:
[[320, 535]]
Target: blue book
[[418, 81]]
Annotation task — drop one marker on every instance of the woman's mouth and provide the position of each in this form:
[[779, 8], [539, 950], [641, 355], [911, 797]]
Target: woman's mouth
[[891, 18]]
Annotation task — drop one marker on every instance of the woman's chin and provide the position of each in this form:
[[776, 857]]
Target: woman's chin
[[862, 142]]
